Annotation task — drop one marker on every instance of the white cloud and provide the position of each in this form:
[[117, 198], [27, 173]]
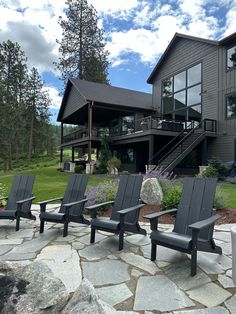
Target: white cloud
[[54, 96], [34, 25], [230, 25], [114, 7]]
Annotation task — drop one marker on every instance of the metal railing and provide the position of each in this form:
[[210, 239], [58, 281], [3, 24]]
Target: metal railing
[[205, 125], [83, 133]]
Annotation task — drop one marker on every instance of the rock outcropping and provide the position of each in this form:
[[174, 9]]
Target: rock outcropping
[[33, 289]]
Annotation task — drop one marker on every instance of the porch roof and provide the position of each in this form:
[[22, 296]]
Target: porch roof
[[106, 95]]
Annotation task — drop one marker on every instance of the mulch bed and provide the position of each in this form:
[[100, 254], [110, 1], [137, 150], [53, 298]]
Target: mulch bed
[[228, 215]]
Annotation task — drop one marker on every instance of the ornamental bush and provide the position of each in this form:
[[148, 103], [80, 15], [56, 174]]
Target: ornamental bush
[[103, 192]]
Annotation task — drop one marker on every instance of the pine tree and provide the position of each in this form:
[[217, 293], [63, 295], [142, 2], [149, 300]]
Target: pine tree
[[82, 47], [37, 111]]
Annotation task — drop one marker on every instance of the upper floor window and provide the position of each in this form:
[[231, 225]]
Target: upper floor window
[[231, 106], [231, 57], [181, 95]]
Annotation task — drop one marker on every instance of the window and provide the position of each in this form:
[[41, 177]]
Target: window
[[127, 124], [181, 95], [231, 106], [231, 58], [127, 155]]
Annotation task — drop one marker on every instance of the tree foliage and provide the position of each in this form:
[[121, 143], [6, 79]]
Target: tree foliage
[[82, 47], [24, 116]]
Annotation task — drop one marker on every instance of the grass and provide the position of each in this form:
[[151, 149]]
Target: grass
[[230, 191], [49, 182]]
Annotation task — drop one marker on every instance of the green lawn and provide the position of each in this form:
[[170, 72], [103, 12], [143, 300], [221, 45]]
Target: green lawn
[[230, 191], [49, 182]]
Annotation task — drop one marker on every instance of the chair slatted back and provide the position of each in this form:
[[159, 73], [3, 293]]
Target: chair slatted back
[[196, 204], [128, 195], [75, 191], [21, 189]]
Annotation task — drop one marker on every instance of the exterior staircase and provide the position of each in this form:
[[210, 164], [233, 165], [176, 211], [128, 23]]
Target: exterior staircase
[[180, 146], [180, 151]]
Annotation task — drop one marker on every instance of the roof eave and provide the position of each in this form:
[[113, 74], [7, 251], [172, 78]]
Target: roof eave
[[177, 35]]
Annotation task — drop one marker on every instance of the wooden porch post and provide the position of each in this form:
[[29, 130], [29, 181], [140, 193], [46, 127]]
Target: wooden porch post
[[61, 152], [204, 152], [90, 122], [151, 148], [73, 153]]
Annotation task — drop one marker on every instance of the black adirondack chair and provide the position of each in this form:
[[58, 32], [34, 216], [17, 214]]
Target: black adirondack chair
[[19, 200], [71, 209], [125, 211], [193, 229]]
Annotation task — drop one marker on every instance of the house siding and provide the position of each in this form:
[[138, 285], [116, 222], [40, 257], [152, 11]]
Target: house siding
[[75, 101], [223, 146], [217, 83]]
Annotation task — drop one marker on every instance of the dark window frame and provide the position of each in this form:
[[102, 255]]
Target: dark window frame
[[226, 58], [184, 89], [227, 96]]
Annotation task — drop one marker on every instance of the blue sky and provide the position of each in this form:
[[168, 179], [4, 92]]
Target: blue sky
[[137, 33]]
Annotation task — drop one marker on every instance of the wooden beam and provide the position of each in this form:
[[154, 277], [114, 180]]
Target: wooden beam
[[90, 124]]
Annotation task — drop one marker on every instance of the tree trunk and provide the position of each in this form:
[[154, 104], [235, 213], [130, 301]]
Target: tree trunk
[[31, 137]]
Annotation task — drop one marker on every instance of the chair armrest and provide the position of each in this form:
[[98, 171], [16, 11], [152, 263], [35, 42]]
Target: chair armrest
[[130, 209], [155, 216], [99, 205], [159, 214], [94, 208], [75, 203], [25, 200], [204, 223], [49, 201]]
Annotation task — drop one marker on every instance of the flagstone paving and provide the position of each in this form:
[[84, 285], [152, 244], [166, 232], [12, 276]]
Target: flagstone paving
[[127, 280]]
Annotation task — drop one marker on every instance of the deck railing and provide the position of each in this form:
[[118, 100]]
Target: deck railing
[[144, 124]]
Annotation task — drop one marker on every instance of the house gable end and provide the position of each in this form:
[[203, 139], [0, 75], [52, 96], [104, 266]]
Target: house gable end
[[181, 50]]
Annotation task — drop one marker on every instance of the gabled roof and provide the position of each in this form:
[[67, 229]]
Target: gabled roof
[[228, 40], [169, 47], [106, 94]]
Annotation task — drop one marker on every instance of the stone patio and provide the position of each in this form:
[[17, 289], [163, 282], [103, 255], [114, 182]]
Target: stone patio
[[127, 280]]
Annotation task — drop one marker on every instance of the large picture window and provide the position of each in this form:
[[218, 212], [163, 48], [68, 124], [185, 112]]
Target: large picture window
[[231, 106], [231, 58], [181, 95]]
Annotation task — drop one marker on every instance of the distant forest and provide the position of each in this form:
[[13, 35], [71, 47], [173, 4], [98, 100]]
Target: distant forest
[[26, 131]]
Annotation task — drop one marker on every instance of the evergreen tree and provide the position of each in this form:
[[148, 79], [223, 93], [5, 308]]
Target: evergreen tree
[[37, 104], [82, 46]]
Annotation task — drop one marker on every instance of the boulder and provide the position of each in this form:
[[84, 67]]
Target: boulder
[[151, 192], [30, 289], [86, 301]]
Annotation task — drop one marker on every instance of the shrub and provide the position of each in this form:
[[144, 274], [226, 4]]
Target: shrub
[[103, 192], [210, 172], [171, 198], [2, 194], [215, 169], [79, 169], [220, 198], [114, 162]]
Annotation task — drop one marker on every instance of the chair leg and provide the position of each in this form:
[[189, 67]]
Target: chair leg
[[121, 239], [153, 252], [17, 223], [92, 235], [65, 231], [41, 230], [193, 263]]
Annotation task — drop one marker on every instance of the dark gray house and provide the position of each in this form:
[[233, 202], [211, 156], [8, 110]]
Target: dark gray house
[[190, 117]]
